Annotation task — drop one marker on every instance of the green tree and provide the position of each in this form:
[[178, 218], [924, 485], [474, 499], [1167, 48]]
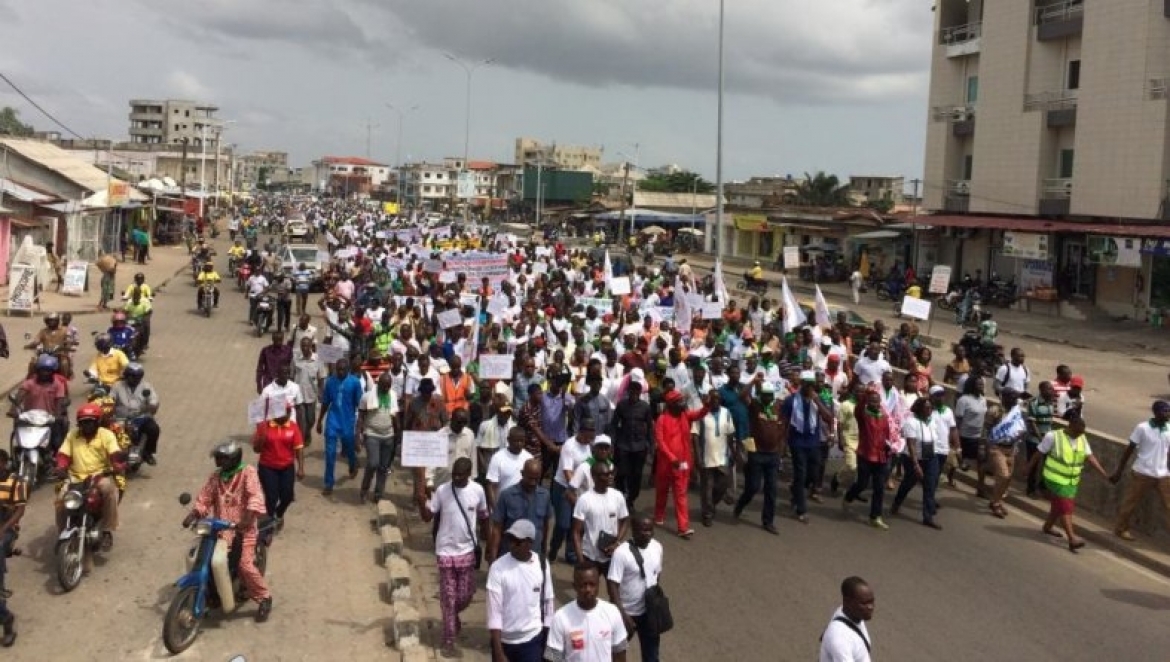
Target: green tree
[[822, 190], [679, 182], [10, 124]]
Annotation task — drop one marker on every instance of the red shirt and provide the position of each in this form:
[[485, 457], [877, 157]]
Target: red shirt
[[43, 396], [278, 444], [673, 435], [873, 435]]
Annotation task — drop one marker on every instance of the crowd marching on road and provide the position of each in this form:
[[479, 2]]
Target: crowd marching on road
[[556, 386]]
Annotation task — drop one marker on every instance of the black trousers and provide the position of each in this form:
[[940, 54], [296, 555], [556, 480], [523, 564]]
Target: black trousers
[[283, 314], [279, 488], [150, 433], [628, 468]]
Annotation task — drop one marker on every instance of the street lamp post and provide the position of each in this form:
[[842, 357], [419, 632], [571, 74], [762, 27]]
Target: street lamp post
[[398, 148], [202, 166], [719, 151], [469, 70]]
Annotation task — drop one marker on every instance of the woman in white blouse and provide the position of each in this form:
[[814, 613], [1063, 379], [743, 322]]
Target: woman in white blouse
[[922, 460]]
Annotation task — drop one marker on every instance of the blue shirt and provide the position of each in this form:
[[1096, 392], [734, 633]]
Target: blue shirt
[[737, 408], [515, 504], [810, 435], [343, 396]]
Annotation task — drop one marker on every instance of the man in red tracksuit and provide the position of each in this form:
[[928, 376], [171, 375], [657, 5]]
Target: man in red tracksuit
[[673, 468]]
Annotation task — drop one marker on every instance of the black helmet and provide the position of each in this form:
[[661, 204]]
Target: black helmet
[[227, 455], [133, 369]]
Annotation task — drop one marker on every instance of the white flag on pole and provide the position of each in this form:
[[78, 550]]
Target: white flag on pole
[[793, 315], [720, 286], [608, 267], [824, 318]]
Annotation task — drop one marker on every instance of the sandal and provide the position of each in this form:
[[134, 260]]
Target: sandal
[[1074, 545], [998, 511], [1054, 534]]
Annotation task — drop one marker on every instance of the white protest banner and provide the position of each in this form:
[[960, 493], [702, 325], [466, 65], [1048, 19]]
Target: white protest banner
[[494, 268], [469, 299], [448, 277], [940, 279], [544, 251], [619, 286], [450, 318], [424, 449], [693, 299], [427, 304], [441, 232], [497, 306], [433, 266], [824, 318], [381, 234], [791, 257], [711, 310], [539, 268], [916, 308], [601, 305], [21, 287], [329, 354], [495, 366], [74, 283], [266, 408]]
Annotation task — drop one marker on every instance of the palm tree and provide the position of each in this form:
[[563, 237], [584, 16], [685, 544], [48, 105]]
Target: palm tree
[[822, 190]]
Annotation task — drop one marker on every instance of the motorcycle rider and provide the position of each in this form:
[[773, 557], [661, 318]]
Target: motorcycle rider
[[233, 493], [54, 335], [133, 398], [139, 309], [235, 253], [256, 286], [91, 450], [755, 276], [109, 363], [48, 391], [208, 275], [121, 334], [139, 285]]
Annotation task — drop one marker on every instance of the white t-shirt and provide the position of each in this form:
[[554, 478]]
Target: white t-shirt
[[1152, 445], [870, 370], [623, 569], [290, 393], [944, 422], [577, 635], [573, 453], [504, 467], [599, 512], [516, 604], [582, 480], [840, 643], [1012, 376], [454, 539], [921, 432]]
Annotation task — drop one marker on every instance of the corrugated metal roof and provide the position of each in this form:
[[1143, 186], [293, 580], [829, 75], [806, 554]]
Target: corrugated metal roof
[[24, 193], [673, 200], [1043, 225], [65, 164]]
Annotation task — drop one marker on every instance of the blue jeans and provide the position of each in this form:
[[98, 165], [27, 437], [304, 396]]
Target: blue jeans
[[647, 639], [379, 456], [560, 534], [804, 464], [762, 469], [930, 472], [347, 446], [529, 651], [872, 475]]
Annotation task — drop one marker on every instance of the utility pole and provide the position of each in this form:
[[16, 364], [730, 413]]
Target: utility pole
[[398, 150], [625, 188], [469, 70], [914, 225], [719, 151], [370, 126]]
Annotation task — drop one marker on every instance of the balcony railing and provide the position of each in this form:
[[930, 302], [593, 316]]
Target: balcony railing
[[1063, 100], [959, 187], [1055, 12], [952, 114], [1060, 188], [1158, 88], [961, 34]]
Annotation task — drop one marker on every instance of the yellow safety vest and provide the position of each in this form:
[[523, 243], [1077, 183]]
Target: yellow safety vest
[[1064, 462]]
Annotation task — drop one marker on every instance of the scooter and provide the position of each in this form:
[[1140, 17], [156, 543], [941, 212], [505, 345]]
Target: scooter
[[32, 436], [263, 318], [212, 580], [82, 503]]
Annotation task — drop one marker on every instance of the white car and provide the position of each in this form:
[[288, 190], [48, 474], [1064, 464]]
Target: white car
[[296, 230], [294, 255]]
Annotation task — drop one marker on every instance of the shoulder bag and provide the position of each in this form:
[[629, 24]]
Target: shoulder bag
[[467, 521], [658, 617]]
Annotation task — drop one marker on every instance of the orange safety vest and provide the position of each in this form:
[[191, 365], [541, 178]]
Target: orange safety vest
[[455, 394]]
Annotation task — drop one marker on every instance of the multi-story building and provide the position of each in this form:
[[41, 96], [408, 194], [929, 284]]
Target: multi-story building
[[348, 175], [761, 192], [170, 121], [262, 167], [866, 190], [141, 161], [429, 185], [530, 151], [1048, 146]]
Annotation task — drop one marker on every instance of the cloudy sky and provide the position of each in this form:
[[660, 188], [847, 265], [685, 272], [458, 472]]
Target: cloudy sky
[[835, 85]]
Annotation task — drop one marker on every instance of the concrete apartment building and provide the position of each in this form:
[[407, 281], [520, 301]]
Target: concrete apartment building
[[529, 151], [867, 189], [170, 121], [1048, 146], [272, 165]]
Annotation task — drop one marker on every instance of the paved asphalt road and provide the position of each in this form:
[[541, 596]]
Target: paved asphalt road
[[322, 568]]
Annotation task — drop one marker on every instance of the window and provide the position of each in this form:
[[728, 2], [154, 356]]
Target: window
[[1074, 75], [968, 166], [186, 113], [1066, 163], [176, 127], [972, 89]]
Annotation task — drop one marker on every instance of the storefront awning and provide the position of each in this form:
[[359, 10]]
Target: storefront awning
[[1044, 225], [22, 223], [877, 234], [751, 223]]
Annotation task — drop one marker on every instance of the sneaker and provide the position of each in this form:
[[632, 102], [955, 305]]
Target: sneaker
[[877, 523], [150, 460], [264, 610], [771, 528]]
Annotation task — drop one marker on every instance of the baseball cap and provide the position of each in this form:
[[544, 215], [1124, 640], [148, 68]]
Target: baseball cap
[[1077, 380], [937, 390], [522, 529], [602, 439], [768, 387]]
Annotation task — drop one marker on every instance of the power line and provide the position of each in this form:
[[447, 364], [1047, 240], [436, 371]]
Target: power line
[[38, 107]]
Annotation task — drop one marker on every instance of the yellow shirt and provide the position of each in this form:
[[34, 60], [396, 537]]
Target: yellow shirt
[[137, 310], [109, 367], [757, 272], [236, 251], [147, 293], [914, 292], [207, 275], [89, 457]]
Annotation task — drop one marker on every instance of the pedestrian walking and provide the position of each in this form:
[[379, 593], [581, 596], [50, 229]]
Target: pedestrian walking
[[13, 499], [270, 361], [1063, 454], [716, 444], [633, 432], [506, 465], [339, 404], [921, 461], [1003, 437], [764, 448], [600, 519], [309, 374], [855, 280], [846, 639], [637, 566], [520, 602], [462, 507], [526, 500], [1150, 441], [573, 452], [1040, 411], [971, 415], [281, 463], [672, 432], [588, 629], [803, 414], [873, 455], [376, 431]]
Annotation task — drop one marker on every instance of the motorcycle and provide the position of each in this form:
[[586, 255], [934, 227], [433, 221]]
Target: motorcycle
[[196, 267], [30, 445], [985, 358], [128, 346], [949, 301], [1002, 293], [82, 503], [974, 314], [756, 286], [206, 298], [133, 428], [243, 273], [212, 580], [262, 320]]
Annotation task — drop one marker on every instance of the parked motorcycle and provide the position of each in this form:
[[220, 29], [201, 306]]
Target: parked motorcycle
[[82, 503], [206, 298], [950, 300], [758, 287], [1002, 293], [263, 317], [212, 581], [31, 441]]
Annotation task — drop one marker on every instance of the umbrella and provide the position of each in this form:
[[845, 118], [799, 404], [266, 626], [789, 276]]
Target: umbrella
[[694, 231], [654, 229]]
